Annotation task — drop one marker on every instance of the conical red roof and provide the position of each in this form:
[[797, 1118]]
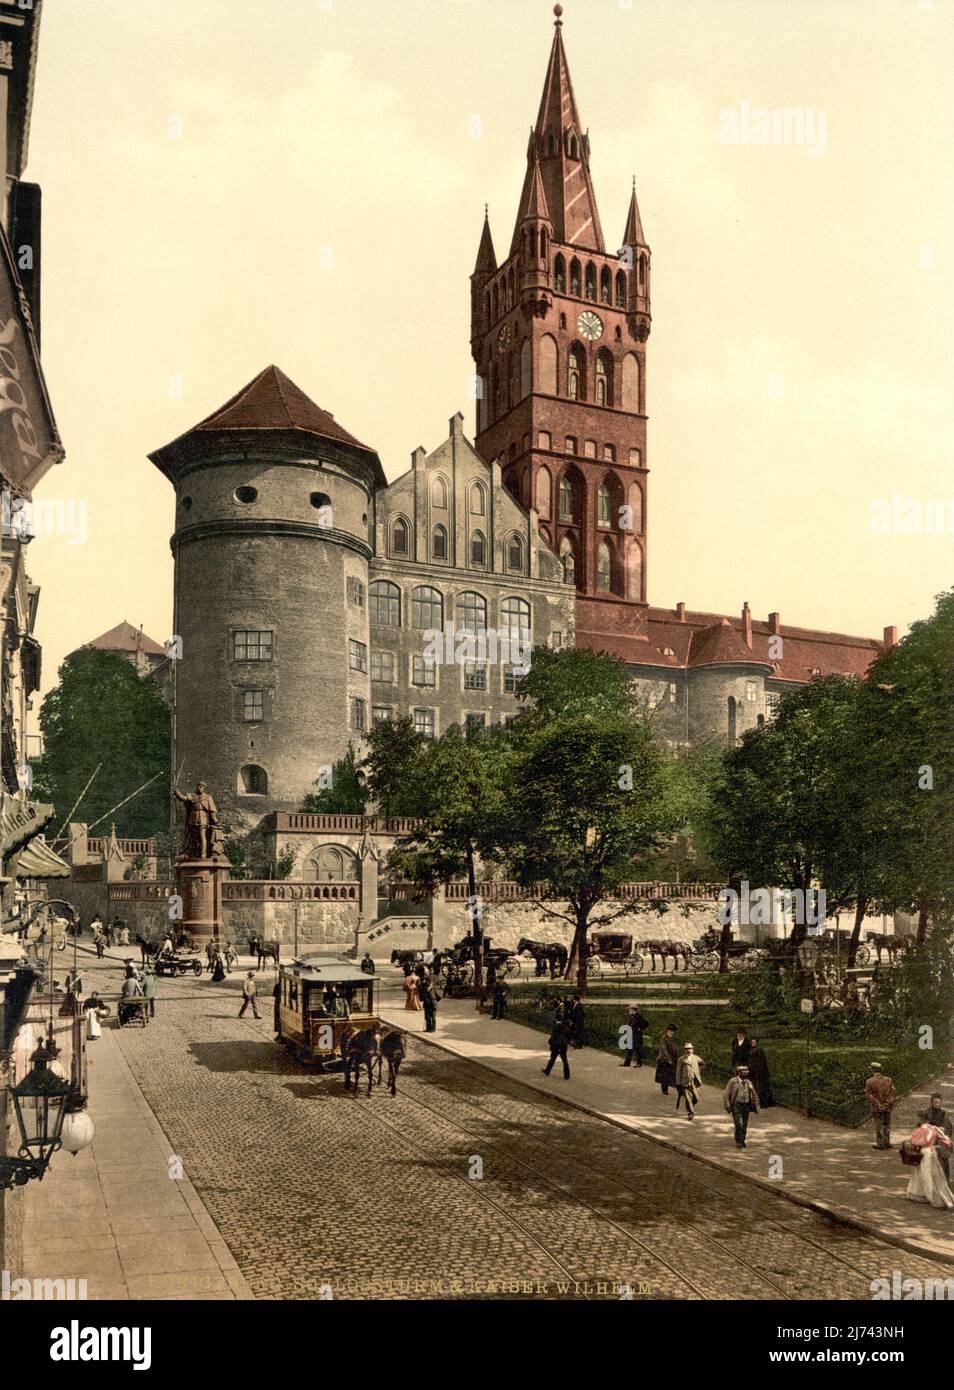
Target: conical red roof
[[126, 638], [721, 645], [272, 401], [633, 235]]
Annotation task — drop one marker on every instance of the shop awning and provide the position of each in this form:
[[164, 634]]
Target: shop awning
[[20, 821], [37, 860]]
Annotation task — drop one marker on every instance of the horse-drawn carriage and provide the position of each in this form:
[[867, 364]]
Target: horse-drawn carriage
[[706, 953], [459, 961], [327, 1018], [166, 964], [613, 951]]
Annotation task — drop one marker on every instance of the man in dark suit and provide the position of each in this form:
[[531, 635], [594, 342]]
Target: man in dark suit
[[741, 1047], [557, 1042], [637, 1026]]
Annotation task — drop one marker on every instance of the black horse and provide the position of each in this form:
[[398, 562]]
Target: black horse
[[265, 950], [545, 953], [361, 1049], [391, 1051]]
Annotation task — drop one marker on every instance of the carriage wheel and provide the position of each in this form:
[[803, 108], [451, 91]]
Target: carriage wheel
[[863, 955], [594, 967], [512, 967], [636, 964], [465, 972], [197, 967]]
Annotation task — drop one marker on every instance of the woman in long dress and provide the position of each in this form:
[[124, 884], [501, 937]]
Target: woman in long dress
[[927, 1182], [413, 1000]]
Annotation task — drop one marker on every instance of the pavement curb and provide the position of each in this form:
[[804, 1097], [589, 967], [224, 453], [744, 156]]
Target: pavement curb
[[841, 1215]]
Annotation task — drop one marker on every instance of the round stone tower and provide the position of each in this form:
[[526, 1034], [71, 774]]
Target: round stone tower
[[274, 514]]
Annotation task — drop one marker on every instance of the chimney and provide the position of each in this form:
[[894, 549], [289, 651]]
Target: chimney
[[456, 424], [681, 612], [747, 624], [890, 638], [775, 623], [418, 456]]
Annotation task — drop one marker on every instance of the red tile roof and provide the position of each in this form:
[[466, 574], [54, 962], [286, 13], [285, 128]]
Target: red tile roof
[[272, 401]]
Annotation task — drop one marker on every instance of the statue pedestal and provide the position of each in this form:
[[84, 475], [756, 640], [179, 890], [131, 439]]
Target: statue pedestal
[[199, 884]]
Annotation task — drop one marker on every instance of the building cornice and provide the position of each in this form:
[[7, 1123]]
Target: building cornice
[[298, 530]]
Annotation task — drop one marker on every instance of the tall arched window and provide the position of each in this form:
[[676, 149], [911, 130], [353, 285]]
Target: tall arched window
[[732, 721], [548, 365], [515, 554], [544, 485], [602, 380], [606, 285], [478, 549], [532, 243], [634, 570], [496, 303], [477, 501], [253, 780], [604, 568], [590, 280], [400, 537], [551, 145], [439, 492], [642, 274], [471, 613], [568, 560], [515, 619], [574, 147], [495, 392], [604, 515], [630, 391], [384, 604], [526, 368], [575, 276], [439, 543], [575, 382], [566, 499], [510, 290], [559, 274], [427, 609], [621, 296], [636, 508], [544, 243]]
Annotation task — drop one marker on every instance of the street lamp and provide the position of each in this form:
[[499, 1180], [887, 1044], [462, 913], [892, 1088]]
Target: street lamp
[[808, 956], [39, 1101]]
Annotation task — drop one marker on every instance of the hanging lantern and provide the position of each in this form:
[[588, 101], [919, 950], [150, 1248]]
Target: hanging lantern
[[77, 1133], [40, 1104]]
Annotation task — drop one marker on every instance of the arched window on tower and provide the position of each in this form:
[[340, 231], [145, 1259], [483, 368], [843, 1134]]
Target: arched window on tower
[[604, 568], [603, 378], [634, 570], [551, 145], [439, 543], [590, 280], [642, 274], [495, 392], [559, 274], [621, 295], [253, 780], [576, 383], [568, 560], [606, 285], [510, 290], [508, 382], [574, 147], [575, 277], [478, 550], [532, 243], [526, 368], [544, 243], [731, 711], [515, 554], [496, 303], [604, 514], [544, 484], [630, 392], [566, 499]]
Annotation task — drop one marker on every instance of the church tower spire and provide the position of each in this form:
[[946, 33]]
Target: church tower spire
[[559, 338], [563, 149]]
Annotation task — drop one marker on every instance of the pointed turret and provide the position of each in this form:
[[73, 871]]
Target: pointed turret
[[533, 202], [486, 255], [633, 235], [562, 147]]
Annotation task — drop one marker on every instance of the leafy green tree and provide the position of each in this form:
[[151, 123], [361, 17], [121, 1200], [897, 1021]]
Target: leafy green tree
[[456, 784], [395, 766], [795, 804], [912, 752], [103, 713], [575, 679], [583, 801], [346, 796]]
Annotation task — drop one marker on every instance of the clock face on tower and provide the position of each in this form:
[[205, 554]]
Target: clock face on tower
[[503, 338], [590, 325]]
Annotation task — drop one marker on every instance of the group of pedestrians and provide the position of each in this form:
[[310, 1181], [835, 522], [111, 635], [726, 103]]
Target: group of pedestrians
[[422, 993], [115, 933], [219, 963], [926, 1151], [748, 1090], [567, 1029]]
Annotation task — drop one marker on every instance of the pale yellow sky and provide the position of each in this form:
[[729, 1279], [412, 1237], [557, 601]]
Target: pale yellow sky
[[200, 161]]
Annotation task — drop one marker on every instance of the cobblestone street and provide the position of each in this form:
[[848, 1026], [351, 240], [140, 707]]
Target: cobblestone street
[[317, 1193]]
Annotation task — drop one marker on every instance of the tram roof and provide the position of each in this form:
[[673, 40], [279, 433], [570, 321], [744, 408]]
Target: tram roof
[[329, 971]]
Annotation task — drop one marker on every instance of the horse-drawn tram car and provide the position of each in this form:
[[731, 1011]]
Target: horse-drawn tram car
[[322, 1003]]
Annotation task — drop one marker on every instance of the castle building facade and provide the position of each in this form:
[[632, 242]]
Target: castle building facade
[[308, 590]]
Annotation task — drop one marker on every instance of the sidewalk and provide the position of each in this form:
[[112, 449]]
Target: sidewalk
[[825, 1167], [114, 1215]]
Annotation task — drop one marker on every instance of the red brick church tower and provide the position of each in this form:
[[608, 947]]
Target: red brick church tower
[[558, 336]]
